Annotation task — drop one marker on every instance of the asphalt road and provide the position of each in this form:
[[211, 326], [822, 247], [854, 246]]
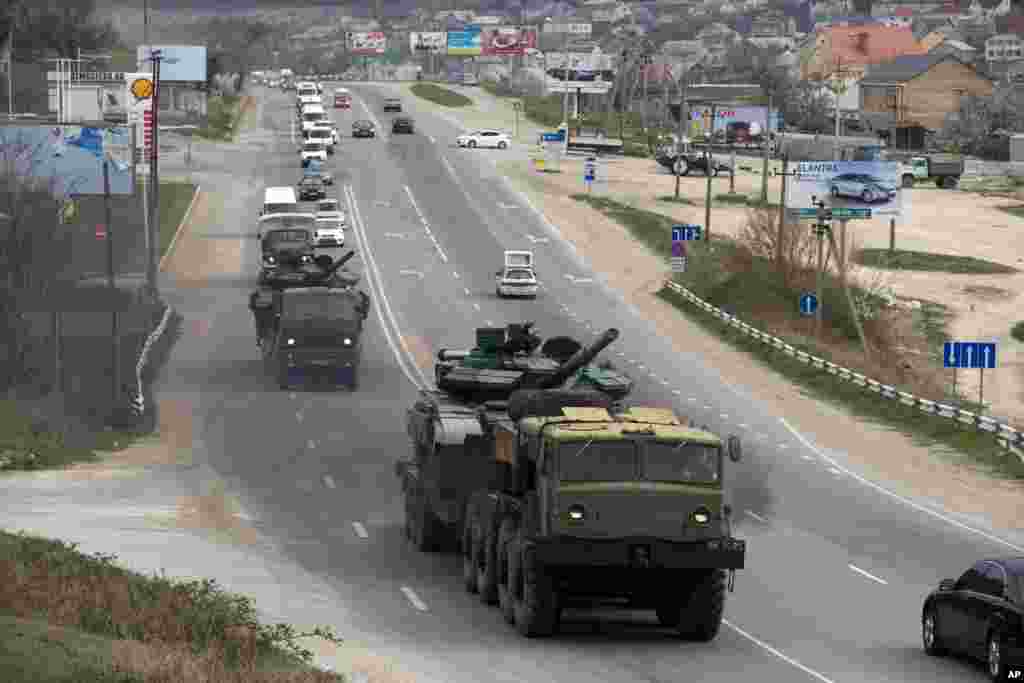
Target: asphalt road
[[836, 570]]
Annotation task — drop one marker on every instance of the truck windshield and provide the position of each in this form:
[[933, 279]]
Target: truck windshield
[[591, 460], [313, 116], [518, 275], [287, 236], [680, 461]]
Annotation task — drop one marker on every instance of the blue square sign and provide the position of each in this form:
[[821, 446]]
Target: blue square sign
[[970, 355], [686, 232]]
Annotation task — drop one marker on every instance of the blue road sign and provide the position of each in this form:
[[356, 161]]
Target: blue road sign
[[808, 303], [976, 355], [845, 212], [552, 137], [686, 232]]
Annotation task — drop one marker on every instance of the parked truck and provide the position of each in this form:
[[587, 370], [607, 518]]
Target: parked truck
[[594, 140], [558, 497]]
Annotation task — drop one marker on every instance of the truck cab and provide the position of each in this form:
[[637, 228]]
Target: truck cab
[[518, 277]]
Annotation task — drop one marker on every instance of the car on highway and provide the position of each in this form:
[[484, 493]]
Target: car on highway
[[484, 138], [311, 188], [315, 169], [321, 135], [980, 615], [866, 188], [330, 210], [330, 224], [310, 115], [313, 149], [330, 128], [363, 129], [518, 277], [392, 104], [402, 124]]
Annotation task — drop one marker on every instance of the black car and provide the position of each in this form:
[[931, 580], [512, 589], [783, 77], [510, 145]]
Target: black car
[[311, 188], [981, 615], [363, 129], [687, 162], [402, 125], [392, 104]]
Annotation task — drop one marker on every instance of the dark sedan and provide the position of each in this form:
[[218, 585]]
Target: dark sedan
[[402, 125], [311, 188], [363, 129], [980, 615]]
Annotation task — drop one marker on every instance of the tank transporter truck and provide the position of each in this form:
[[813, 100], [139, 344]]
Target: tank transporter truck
[[309, 322], [557, 498]]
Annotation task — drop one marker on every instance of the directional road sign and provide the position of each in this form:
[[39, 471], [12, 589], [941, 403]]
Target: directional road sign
[[808, 303], [686, 232], [552, 137], [969, 355], [589, 171], [840, 213]]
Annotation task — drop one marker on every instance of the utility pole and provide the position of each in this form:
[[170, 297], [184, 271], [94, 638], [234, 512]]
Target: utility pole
[[153, 259], [710, 162], [765, 139], [115, 335], [684, 119]]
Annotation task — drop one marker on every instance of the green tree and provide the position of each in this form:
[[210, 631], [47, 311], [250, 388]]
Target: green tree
[[44, 29]]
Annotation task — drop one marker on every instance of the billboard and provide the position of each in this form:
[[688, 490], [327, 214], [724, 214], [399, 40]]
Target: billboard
[[367, 43], [139, 111], [431, 41], [507, 40], [576, 29], [465, 42], [180, 63], [755, 116], [70, 158], [871, 185], [578, 61]]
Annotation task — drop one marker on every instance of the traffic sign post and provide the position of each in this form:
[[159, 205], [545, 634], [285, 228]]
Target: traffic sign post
[[589, 172], [973, 355], [808, 304], [681, 234]]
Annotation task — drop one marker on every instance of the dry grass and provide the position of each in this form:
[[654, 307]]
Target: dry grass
[[186, 632]]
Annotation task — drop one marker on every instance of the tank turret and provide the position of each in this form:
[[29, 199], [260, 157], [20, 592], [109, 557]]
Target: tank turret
[[506, 359]]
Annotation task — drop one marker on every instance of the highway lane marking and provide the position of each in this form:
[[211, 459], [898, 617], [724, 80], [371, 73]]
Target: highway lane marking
[[505, 206], [834, 471], [360, 530], [292, 395], [868, 575], [311, 444], [895, 496], [742, 425], [676, 392], [329, 482], [466, 290], [432, 140], [413, 273], [723, 416], [807, 457], [411, 596], [620, 354], [489, 323], [476, 306], [298, 415], [409, 368], [426, 225], [756, 516], [778, 653], [456, 275]]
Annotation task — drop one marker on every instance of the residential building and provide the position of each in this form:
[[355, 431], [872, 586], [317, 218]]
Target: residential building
[[612, 12], [909, 95], [1004, 47], [852, 49], [717, 39]]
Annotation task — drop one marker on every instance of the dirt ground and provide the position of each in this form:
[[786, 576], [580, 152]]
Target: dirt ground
[[984, 306], [638, 274]]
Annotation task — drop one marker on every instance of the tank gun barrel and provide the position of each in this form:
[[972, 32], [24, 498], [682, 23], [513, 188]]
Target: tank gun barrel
[[579, 359], [334, 267], [452, 354]]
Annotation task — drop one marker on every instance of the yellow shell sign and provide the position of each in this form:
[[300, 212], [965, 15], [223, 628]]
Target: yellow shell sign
[[142, 88]]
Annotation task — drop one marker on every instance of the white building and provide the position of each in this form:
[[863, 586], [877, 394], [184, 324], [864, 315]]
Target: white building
[[1005, 47]]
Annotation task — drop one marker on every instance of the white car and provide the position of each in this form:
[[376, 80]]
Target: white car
[[484, 138], [314, 150], [328, 233], [330, 127], [518, 277], [330, 210]]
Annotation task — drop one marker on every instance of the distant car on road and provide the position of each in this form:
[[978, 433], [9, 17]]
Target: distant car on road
[[363, 129], [311, 188], [484, 138], [981, 615], [313, 150], [393, 104], [402, 124], [866, 188]]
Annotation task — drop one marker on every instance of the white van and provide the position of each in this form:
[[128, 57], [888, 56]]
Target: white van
[[312, 113], [279, 200]]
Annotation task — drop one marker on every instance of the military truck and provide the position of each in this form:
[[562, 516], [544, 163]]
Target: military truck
[[556, 498], [309, 322]]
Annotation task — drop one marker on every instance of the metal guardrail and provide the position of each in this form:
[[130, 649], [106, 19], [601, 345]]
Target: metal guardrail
[[1006, 435]]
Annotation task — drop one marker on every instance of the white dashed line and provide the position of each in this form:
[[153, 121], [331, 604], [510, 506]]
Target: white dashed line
[[742, 425], [298, 415], [807, 457], [868, 575], [311, 444], [476, 306], [466, 290], [426, 225], [676, 392], [641, 366], [707, 407], [664, 382], [778, 653], [360, 530], [833, 470], [411, 596], [329, 482], [723, 416], [756, 516], [432, 140], [292, 396], [782, 445], [620, 354], [457, 276], [489, 323], [691, 400]]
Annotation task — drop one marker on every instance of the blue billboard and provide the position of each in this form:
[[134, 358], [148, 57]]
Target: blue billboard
[[70, 158], [466, 42], [180, 63]]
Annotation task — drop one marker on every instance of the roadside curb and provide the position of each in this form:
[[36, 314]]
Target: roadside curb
[[177, 233]]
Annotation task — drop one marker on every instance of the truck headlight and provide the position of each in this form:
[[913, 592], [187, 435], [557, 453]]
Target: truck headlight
[[576, 513], [270, 259], [291, 342], [347, 341], [701, 516]]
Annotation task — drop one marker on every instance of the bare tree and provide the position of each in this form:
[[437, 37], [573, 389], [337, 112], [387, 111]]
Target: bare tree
[[44, 28], [972, 128]]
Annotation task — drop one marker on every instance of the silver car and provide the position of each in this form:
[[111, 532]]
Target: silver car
[[866, 188]]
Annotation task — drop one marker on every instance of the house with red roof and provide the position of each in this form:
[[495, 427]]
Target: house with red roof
[[850, 50]]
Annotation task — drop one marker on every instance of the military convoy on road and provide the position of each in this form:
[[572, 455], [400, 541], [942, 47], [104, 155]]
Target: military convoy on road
[[555, 496], [309, 320]]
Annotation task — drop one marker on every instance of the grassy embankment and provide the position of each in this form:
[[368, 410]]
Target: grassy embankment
[[223, 113], [68, 617], [734, 277], [438, 95]]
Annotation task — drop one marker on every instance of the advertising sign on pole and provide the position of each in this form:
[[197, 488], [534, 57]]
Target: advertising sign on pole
[[465, 42], [367, 43], [754, 117], [70, 158], [430, 41], [180, 62], [852, 189], [507, 40]]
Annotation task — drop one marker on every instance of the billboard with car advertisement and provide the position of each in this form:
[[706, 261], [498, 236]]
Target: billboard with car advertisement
[[367, 43], [507, 40], [727, 118], [871, 185], [465, 42], [70, 158], [430, 41], [180, 62]]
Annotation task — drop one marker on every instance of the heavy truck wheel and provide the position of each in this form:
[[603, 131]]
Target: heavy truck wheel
[[508, 570], [282, 376], [700, 616], [469, 547], [427, 533], [536, 608], [907, 181], [487, 567]]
